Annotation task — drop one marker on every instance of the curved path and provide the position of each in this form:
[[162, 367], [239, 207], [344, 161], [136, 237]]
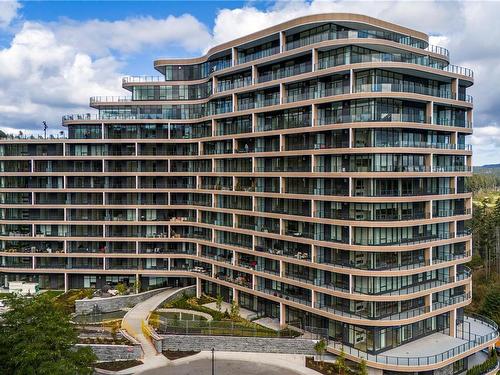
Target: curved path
[[132, 324]]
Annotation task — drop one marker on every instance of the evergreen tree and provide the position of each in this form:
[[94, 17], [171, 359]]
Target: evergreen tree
[[37, 338]]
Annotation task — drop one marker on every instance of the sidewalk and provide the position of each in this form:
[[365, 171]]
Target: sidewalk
[[132, 323], [245, 362]]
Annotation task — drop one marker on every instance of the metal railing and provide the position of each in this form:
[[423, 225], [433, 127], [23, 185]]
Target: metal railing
[[109, 99], [218, 328], [426, 360], [140, 79]]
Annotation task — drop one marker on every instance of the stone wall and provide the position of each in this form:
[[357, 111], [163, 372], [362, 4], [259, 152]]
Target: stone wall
[[236, 344], [107, 353], [86, 306]]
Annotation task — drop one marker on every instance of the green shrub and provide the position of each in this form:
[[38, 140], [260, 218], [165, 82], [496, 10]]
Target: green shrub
[[486, 366]]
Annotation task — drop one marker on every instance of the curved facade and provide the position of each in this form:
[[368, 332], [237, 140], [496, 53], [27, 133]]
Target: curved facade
[[313, 171]]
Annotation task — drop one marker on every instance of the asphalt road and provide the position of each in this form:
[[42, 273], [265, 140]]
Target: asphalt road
[[222, 367]]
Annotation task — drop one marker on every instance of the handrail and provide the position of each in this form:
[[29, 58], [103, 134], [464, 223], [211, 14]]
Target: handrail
[[477, 340]]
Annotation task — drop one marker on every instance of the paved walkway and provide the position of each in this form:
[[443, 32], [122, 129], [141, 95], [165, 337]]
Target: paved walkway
[[244, 313], [230, 363], [132, 323]]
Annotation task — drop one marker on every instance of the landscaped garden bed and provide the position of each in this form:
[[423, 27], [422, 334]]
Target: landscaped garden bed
[[223, 324], [330, 368], [118, 365], [173, 355], [67, 300]]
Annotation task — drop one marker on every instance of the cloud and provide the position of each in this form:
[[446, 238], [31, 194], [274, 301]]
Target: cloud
[[43, 78], [438, 16], [131, 35], [50, 69], [8, 12], [467, 28]]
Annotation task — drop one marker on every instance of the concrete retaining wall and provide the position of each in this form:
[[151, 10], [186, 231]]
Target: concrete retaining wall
[[86, 306], [107, 353], [236, 344]]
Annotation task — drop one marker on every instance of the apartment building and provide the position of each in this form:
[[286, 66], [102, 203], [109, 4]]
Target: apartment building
[[313, 171]]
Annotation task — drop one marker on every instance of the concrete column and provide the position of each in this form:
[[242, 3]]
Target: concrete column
[[255, 74], [65, 282], [234, 56], [428, 301], [282, 315], [236, 296], [198, 287], [428, 256], [430, 112], [235, 102], [314, 115], [351, 81], [453, 323], [214, 84], [454, 88], [282, 41], [314, 59]]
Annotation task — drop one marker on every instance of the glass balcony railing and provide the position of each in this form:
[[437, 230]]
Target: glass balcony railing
[[362, 34], [284, 72], [410, 87], [415, 144], [139, 79], [405, 314], [287, 296], [477, 332], [227, 85], [325, 63], [452, 122], [402, 193], [411, 241], [109, 99], [336, 215], [368, 117], [451, 212], [244, 58]]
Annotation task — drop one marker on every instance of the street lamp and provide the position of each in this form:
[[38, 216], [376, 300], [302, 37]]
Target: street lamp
[[45, 126], [213, 361]]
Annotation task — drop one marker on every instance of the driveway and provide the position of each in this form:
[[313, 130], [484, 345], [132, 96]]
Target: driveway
[[222, 367]]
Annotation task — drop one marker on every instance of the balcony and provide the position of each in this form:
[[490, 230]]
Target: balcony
[[415, 240], [142, 79], [325, 63], [361, 34], [244, 58], [284, 72], [287, 296], [473, 333], [390, 117], [406, 314], [227, 85], [465, 274], [410, 87]]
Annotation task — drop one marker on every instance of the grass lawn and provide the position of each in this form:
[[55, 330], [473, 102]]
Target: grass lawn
[[68, 299], [222, 325], [53, 293]]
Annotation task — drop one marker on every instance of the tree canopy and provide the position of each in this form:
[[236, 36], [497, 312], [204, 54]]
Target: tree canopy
[[37, 338]]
